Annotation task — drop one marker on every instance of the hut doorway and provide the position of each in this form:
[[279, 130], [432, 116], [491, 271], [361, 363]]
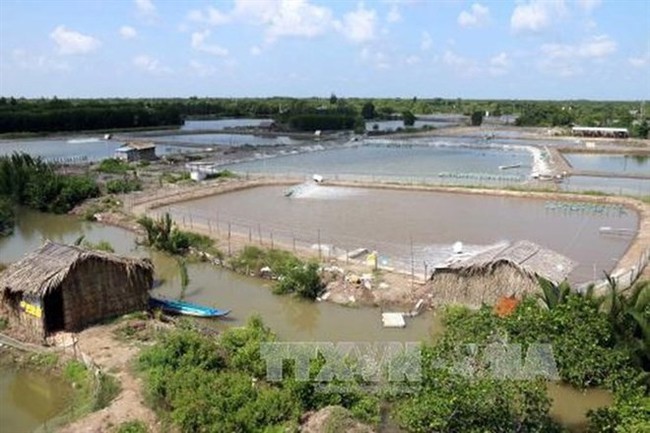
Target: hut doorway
[[53, 311]]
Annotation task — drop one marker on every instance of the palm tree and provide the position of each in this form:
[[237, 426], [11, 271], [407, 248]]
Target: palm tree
[[553, 294]]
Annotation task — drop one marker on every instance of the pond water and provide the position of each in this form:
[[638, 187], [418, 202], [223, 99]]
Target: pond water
[[388, 161], [610, 163], [221, 124], [203, 140], [93, 149], [414, 228], [570, 405], [609, 185], [28, 399]]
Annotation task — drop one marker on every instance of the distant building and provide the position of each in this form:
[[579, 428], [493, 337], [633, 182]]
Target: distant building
[[136, 152], [596, 131]]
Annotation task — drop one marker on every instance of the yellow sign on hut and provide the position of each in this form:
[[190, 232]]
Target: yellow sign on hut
[[34, 310]]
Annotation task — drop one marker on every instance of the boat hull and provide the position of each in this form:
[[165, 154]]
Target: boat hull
[[185, 308]]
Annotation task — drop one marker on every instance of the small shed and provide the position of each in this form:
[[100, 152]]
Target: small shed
[[502, 271], [136, 152], [66, 288]]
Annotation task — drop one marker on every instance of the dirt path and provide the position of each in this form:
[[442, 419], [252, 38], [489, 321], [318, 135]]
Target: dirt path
[[114, 357]]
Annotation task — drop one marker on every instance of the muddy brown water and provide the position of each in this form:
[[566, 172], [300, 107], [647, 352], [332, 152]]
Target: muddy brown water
[[390, 221], [28, 399], [290, 318]]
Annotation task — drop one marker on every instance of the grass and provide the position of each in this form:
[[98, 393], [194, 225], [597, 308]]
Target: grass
[[3, 323], [92, 392], [113, 166], [132, 427]]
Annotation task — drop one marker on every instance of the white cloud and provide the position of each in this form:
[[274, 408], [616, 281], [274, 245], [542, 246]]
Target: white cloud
[[199, 44], [478, 16], [201, 70], [128, 32], [499, 64], [40, 63], [640, 61], [377, 58], [146, 9], [255, 50], [71, 42], [393, 14], [588, 5], [211, 16], [359, 26], [462, 65], [425, 41], [412, 60], [284, 17], [568, 59], [150, 65], [536, 15]]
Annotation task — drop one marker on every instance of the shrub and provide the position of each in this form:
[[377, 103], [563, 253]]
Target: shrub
[[113, 166], [126, 185], [7, 217]]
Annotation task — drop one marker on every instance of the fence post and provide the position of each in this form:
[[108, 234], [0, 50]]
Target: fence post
[[250, 235], [271, 239], [294, 244], [259, 233], [319, 250], [229, 249]]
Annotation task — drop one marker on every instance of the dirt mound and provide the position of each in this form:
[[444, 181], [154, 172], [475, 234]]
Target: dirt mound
[[333, 419]]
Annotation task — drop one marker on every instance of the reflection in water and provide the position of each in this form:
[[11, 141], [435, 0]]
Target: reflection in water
[[28, 399]]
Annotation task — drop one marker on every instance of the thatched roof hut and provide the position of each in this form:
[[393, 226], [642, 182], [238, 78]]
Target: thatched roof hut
[[501, 271], [65, 288]]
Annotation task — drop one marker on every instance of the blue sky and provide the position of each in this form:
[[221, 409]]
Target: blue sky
[[559, 49]]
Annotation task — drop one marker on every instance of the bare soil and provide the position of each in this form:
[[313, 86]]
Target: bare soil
[[114, 357]]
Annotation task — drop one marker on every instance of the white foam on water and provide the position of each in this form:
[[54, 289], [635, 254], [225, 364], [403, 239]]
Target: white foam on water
[[321, 192], [83, 140]]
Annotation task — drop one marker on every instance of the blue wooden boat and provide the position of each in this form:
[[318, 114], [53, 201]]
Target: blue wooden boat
[[185, 308]]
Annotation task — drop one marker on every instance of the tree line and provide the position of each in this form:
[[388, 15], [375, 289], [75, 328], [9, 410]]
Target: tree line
[[48, 115]]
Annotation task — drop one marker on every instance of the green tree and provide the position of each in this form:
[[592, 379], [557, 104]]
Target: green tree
[[368, 110], [477, 118], [408, 118]]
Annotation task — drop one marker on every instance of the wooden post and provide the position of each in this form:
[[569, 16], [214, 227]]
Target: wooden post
[[229, 249], [271, 239], [209, 226], [259, 233], [319, 250], [294, 244], [250, 235]]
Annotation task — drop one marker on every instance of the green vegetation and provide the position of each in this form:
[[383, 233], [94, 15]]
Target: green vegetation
[[125, 185], [222, 174], [7, 217], [33, 183], [113, 166], [163, 235], [99, 246], [132, 427], [409, 118], [592, 345], [203, 384], [477, 118], [175, 177], [292, 275], [333, 112], [93, 391], [4, 322]]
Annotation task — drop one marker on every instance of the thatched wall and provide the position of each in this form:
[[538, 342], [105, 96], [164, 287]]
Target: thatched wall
[[29, 327], [98, 289], [478, 286]]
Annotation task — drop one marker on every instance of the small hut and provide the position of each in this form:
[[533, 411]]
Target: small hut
[[66, 288], [503, 271], [136, 152]]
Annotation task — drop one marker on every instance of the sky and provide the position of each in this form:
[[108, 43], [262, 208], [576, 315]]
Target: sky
[[523, 49]]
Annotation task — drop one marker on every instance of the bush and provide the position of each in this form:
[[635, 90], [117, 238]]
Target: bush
[[7, 217], [113, 166], [126, 185], [132, 427], [303, 280], [162, 234]]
